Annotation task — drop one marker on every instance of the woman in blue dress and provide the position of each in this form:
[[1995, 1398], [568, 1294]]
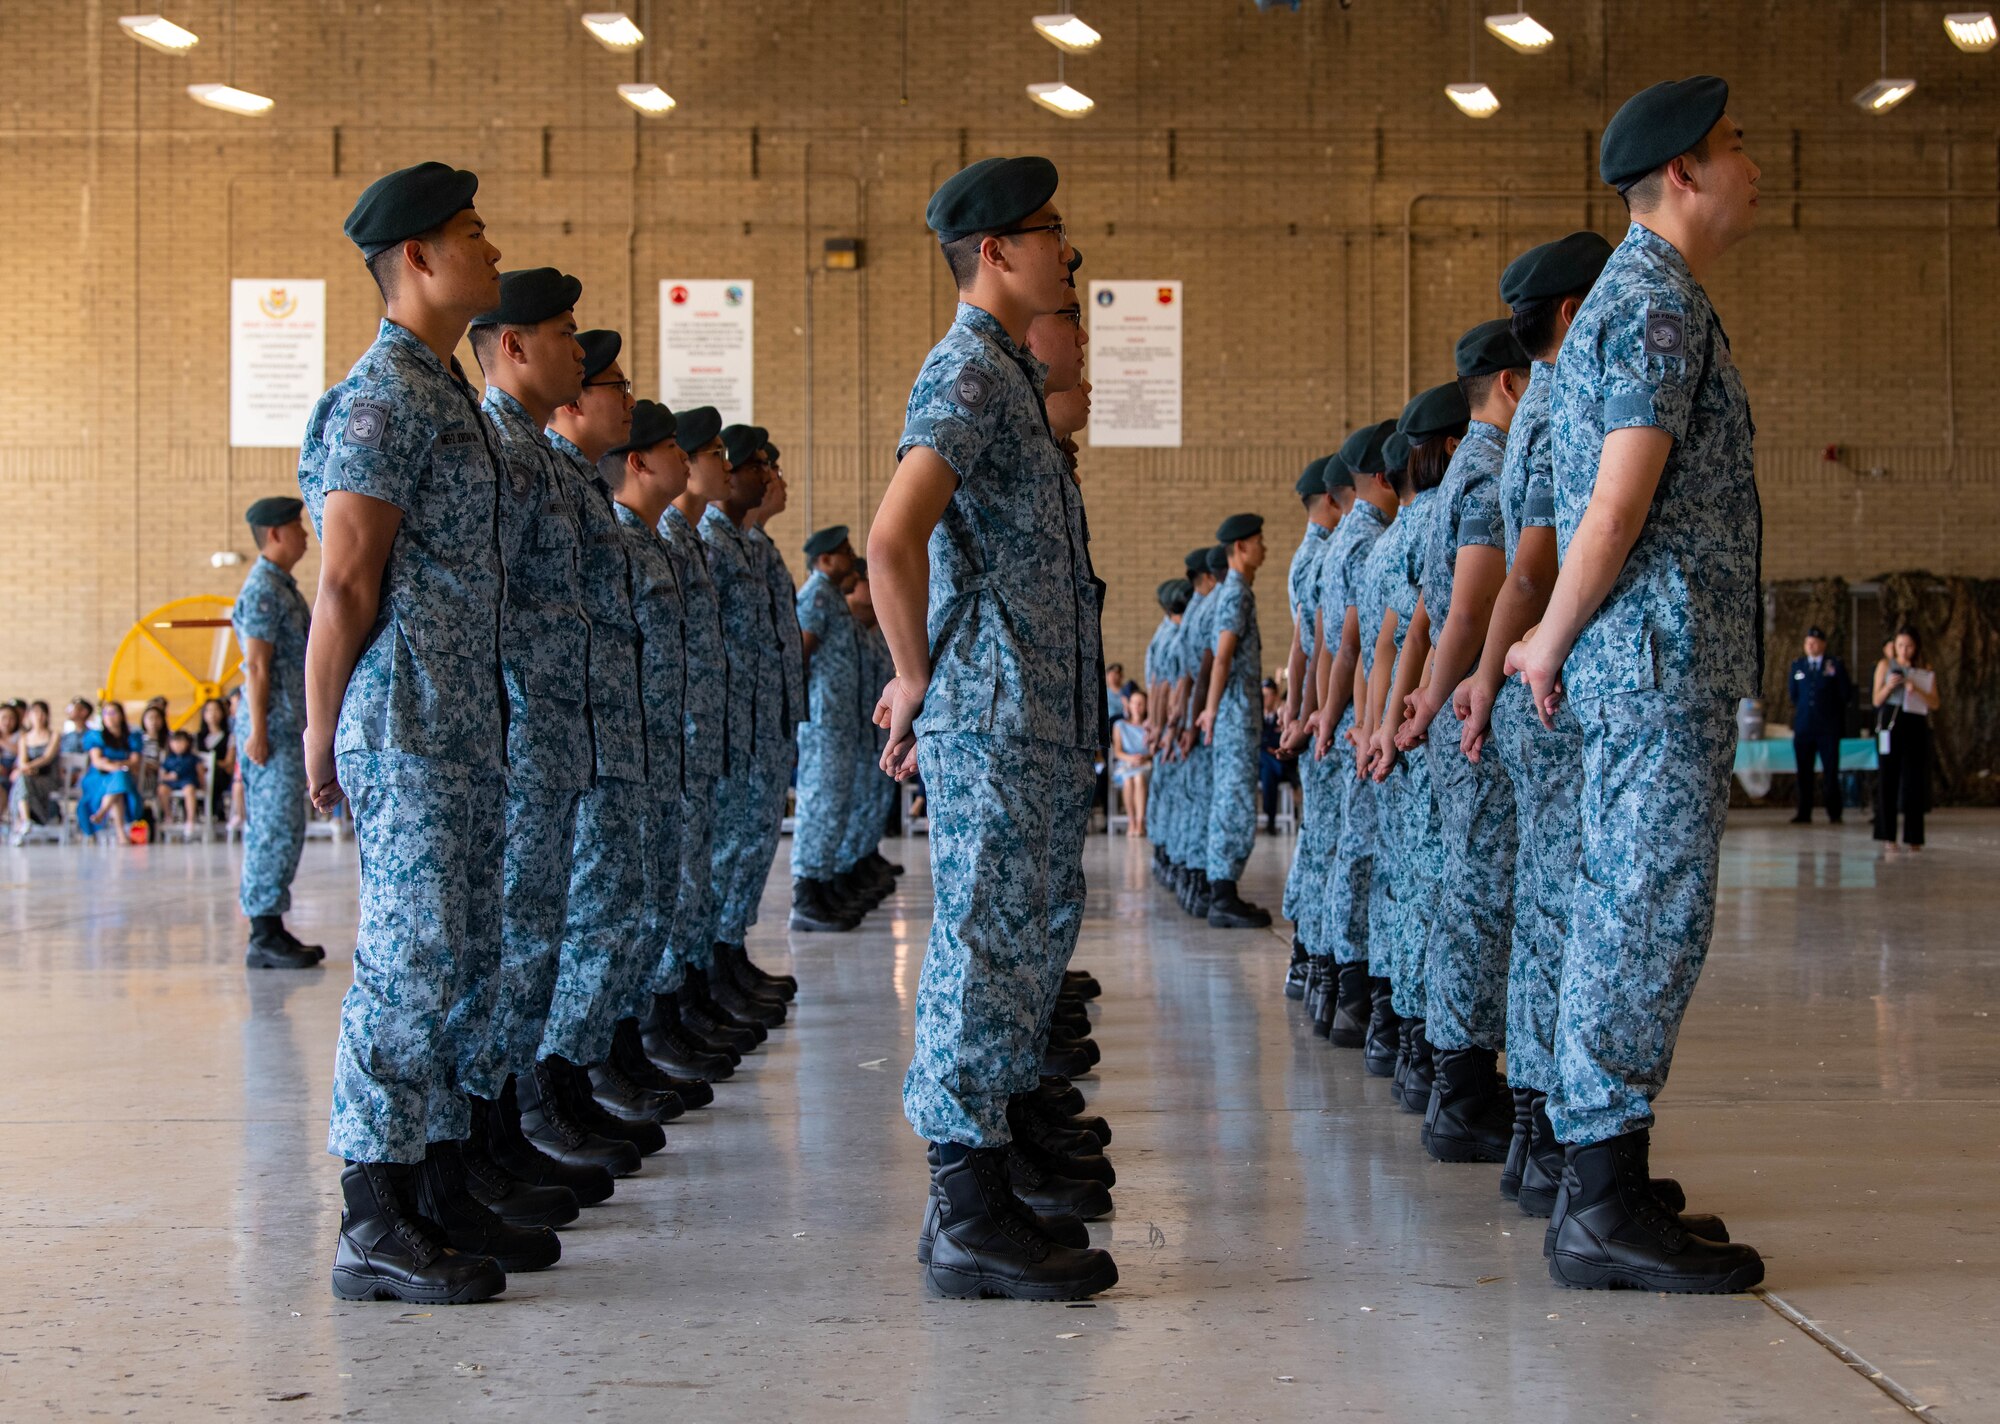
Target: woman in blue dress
[[1131, 762], [109, 794]]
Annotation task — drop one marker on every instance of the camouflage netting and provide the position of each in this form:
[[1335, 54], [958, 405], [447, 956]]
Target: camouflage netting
[[1959, 620]]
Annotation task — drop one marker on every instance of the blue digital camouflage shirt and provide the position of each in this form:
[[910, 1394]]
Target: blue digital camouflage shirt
[[1527, 488], [1390, 574], [785, 621], [1685, 614], [617, 720], [1156, 651], [1014, 607], [1235, 611], [270, 607], [707, 716], [405, 428], [835, 672], [749, 640], [1467, 513], [544, 637], [1302, 585], [1344, 583], [663, 667]]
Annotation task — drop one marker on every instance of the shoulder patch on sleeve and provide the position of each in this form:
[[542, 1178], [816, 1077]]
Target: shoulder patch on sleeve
[[367, 423], [972, 389], [1665, 334]]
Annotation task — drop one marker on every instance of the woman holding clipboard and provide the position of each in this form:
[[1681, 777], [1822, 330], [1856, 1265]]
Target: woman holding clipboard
[[1905, 696]]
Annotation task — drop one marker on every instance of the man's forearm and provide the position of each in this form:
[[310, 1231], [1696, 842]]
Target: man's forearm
[[1340, 684], [1295, 676], [343, 615], [899, 573], [1628, 475]]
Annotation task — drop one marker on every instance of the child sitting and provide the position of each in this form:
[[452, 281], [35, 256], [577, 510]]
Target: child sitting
[[180, 777]]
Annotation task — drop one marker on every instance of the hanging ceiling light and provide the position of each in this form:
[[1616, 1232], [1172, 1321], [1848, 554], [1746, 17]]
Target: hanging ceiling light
[[158, 32], [1885, 94], [1474, 100], [1521, 31], [613, 30], [1066, 32], [646, 98], [1972, 30], [230, 99], [1060, 98]]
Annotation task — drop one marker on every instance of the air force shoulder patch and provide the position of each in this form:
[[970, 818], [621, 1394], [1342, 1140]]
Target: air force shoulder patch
[[971, 389], [367, 423], [1665, 334]]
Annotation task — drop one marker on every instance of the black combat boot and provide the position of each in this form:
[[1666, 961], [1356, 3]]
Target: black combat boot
[[1070, 1016], [752, 980], [388, 1252], [1323, 977], [1055, 1144], [469, 1226], [317, 951], [1399, 1080], [988, 1244], [1378, 1051], [522, 1160], [713, 1022], [1229, 911], [811, 914], [1470, 1117], [1614, 1233], [1542, 1177], [1063, 1230], [629, 1100], [580, 1104], [744, 1007], [517, 1203], [1295, 972], [1423, 1067], [1353, 1002], [550, 1122], [1065, 1061], [1202, 900], [677, 1048], [1517, 1148], [1082, 983], [1059, 1093], [628, 1053], [270, 949], [1061, 1042], [1043, 1190]]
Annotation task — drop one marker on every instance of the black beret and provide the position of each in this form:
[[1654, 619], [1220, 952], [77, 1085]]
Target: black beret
[[1312, 480], [1816, 632], [530, 295], [1658, 125], [1218, 559], [1375, 457], [1441, 410], [695, 428], [1555, 269], [1336, 474], [1395, 452], [991, 194], [1237, 526], [408, 203], [651, 424], [274, 511], [1490, 346], [1361, 451], [742, 443], [600, 349], [826, 541], [1196, 562]]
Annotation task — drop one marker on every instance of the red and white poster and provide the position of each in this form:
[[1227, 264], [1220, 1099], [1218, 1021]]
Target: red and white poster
[[707, 355], [1135, 364]]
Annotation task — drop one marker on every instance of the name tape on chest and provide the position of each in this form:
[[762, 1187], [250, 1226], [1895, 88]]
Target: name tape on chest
[[1666, 334], [367, 423], [458, 437]]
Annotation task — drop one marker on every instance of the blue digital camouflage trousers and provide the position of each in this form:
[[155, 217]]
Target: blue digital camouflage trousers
[[1232, 802], [1547, 770], [1353, 881], [1312, 848], [1655, 794], [1007, 823], [1195, 795], [274, 827], [753, 874], [871, 797], [605, 954], [1465, 956], [690, 944], [426, 953], [741, 803], [1163, 801], [1415, 863], [660, 970], [826, 801], [534, 907]]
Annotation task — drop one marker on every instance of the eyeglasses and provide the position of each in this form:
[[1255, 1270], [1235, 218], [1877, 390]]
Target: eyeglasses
[[625, 386], [1062, 235]]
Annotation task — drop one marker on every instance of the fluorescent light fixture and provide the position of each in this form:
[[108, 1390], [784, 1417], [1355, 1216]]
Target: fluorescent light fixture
[[1521, 31], [158, 32], [1066, 32], [1972, 30], [1475, 101], [646, 98], [1885, 94], [613, 30], [229, 100], [224, 559], [1062, 99]]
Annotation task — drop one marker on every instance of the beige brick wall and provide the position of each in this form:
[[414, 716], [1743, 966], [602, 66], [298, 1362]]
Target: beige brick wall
[[1286, 167]]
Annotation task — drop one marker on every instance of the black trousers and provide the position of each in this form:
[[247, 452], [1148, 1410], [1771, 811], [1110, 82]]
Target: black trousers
[[1904, 781], [1827, 750]]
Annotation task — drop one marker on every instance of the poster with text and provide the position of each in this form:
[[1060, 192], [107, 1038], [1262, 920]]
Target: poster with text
[[706, 352], [1135, 364], [277, 358]]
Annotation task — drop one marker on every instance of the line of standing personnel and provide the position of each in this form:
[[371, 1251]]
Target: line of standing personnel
[[508, 681], [1526, 608]]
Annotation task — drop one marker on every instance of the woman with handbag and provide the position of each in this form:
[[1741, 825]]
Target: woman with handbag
[[1906, 694]]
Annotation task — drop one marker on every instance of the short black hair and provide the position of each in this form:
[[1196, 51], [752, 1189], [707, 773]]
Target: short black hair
[[1477, 388], [1644, 195], [1308, 498], [1534, 325], [386, 266], [962, 256], [484, 339], [180, 732], [1428, 462], [612, 469]]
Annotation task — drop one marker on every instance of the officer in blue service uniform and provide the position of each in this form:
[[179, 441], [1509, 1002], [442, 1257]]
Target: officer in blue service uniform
[[406, 719], [1231, 723], [271, 619], [830, 740], [1653, 631], [982, 581], [1821, 692]]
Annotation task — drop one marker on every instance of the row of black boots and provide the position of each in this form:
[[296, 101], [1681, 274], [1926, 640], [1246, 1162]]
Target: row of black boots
[[1612, 1224], [1009, 1221], [448, 1229], [1216, 901], [838, 905]]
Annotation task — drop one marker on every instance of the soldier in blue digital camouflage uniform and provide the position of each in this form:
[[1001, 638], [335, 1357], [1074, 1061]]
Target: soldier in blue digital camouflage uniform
[[1470, 1117], [1231, 722], [271, 619], [1304, 878], [831, 741], [1653, 630], [1545, 286], [1173, 595], [1191, 785], [982, 581], [1183, 661], [406, 719], [873, 794]]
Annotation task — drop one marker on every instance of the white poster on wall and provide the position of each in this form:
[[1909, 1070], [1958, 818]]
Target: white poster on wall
[[1135, 364], [706, 349], [277, 358]]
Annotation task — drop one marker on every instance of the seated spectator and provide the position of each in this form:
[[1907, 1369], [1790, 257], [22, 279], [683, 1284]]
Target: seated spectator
[[1131, 763], [10, 736], [153, 732], [212, 739], [37, 775], [1273, 771], [1114, 690], [109, 793], [180, 778], [79, 717]]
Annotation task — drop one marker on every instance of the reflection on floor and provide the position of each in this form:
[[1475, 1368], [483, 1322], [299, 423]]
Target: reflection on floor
[[1286, 1250]]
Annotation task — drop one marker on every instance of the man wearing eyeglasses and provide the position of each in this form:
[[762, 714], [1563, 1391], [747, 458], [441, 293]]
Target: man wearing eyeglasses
[[982, 581]]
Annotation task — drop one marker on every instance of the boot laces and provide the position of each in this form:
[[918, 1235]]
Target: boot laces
[[1015, 1220]]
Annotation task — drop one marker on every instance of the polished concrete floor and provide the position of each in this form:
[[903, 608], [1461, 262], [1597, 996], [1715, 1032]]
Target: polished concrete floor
[[1287, 1252]]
